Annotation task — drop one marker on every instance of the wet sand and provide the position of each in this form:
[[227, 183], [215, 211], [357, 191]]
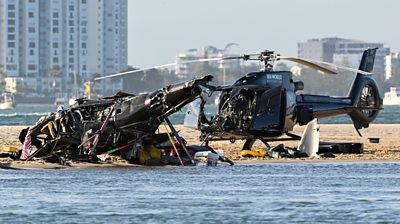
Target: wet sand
[[388, 149]]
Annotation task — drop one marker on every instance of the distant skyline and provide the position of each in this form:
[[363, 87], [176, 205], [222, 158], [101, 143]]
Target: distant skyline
[[160, 29]]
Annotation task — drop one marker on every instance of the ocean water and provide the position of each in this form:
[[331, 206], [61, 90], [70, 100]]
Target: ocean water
[[29, 114], [258, 193]]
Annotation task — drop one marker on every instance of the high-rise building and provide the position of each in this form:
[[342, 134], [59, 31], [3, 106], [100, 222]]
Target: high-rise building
[[49, 43], [107, 28]]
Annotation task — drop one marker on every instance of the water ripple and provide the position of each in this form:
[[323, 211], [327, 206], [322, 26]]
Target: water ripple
[[261, 193]]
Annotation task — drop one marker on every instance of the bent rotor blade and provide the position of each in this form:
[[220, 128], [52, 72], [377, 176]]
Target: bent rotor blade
[[307, 63], [135, 71], [315, 62]]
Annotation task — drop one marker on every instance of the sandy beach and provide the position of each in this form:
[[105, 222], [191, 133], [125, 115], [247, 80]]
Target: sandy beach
[[388, 149]]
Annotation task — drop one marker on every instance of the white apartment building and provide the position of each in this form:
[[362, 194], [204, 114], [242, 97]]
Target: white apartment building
[[184, 70], [64, 38], [392, 65], [108, 43]]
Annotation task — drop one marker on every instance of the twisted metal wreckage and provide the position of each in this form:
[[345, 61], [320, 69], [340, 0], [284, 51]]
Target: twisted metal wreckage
[[124, 124], [263, 105]]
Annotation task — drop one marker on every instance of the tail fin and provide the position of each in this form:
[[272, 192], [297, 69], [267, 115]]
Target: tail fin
[[367, 60], [364, 93]]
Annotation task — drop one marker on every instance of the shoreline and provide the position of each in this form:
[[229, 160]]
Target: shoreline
[[388, 150], [34, 165]]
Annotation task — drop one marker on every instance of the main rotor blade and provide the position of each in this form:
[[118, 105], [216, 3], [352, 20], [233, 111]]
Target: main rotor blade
[[307, 63], [135, 71], [163, 66], [343, 67], [313, 64]]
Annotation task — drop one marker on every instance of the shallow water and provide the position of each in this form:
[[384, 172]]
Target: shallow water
[[268, 193]]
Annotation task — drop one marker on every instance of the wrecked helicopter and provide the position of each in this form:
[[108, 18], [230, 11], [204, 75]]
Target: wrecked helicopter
[[124, 124], [267, 104], [263, 105]]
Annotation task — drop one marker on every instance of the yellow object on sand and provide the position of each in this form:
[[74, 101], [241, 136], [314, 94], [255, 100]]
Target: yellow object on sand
[[149, 154], [10, 149], [251, 153]]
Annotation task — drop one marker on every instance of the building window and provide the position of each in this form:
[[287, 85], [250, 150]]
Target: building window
[[71, 60], [12, 67], [71, 22], [71, 8], [11, 37], [55, 14], [55, 60], [71, 30], [11, 29], [31, 52], [71, 53], [11, 44], [55, 29], [30, 14], [11, 14], [84, 67], [32, 67], [84, 45], [11, 7], [71, 45], [11, 22], [32, 44], [31, 1], [55, 22], [31, 29], [55, 45]]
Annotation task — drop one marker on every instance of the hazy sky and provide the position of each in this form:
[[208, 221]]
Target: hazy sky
[[160, 29]]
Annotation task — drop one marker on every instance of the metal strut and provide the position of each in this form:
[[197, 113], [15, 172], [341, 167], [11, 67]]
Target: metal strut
[[178, 138]]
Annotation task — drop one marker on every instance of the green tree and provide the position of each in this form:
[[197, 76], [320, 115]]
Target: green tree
[[2, 80]]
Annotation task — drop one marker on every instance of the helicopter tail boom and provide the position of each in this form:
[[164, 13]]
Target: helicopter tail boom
[[362, 104]]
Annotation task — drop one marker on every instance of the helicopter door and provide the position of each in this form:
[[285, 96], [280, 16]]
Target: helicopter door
[[192, 114], [268, 110]]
